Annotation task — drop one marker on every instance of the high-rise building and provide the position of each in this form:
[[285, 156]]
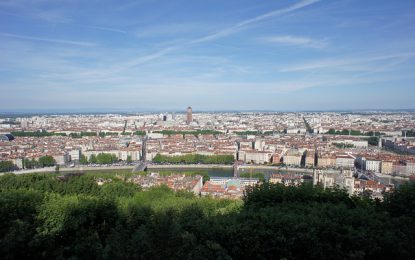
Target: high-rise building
[[189, 118]]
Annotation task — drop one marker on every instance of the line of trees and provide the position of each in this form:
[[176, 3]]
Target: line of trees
[[194, 159], [333, 131], [101, 158], [36, 134], [195, 132], [44, 161], [73, 135], [257, 132], [45, 217], [307, 126]]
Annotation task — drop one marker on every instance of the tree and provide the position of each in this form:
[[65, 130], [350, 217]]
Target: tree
[[46, 161], [93, 158], [106, 158], [83, 159]]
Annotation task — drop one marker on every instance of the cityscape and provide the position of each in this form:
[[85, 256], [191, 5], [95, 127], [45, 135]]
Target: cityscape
[[377, 148], [237, 129]]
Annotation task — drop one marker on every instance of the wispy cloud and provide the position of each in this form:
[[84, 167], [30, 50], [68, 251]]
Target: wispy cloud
[[24, 37], [297, 41], [227, 31], [345, 62], [243, 24], [102, 28]]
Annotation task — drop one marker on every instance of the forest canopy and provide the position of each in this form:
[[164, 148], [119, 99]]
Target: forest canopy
[[43, 216]]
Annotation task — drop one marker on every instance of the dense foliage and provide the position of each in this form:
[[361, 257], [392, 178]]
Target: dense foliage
[[194, 159], [80, 135], [333, 131], [44, 217], [140, 133], [36, 134], [44, 161], [373, 140], [101, 158], [6, 166]]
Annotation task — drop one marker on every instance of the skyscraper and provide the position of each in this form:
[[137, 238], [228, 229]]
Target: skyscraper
[[189, 118]]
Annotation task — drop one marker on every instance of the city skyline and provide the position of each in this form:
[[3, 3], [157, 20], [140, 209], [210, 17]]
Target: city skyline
[[154, 55]]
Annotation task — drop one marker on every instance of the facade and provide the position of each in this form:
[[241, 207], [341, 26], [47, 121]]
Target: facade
[[292, 157], [286, 179], [326, 180], [386, 167], [310, 159], [255, 156], [410, 167], [326, 161], [372, 165], [75, 155]]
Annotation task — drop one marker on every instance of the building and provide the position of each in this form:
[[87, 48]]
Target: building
[[386, 167], [324, 179], [326, 160], [372, 164], [347, 181], [75, 155], [410, 167], [292, 157], [310, 158], [286, 179], [255, 156], [189, 117], [345, 161], [224, 187]]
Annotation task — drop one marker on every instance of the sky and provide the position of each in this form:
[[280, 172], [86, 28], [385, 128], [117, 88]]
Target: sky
[[158, 55]]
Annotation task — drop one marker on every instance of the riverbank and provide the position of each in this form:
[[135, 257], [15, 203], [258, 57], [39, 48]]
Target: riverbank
[[190, 166], [275, 168], [71, 169], [242, 168], [392, 177]]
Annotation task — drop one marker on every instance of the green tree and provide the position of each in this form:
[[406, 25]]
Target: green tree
[[93, 158], [83, 159], [46, 161]]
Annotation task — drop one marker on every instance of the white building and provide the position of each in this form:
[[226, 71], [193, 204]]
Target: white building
[[373, 165], [345, 161], [74, 155]]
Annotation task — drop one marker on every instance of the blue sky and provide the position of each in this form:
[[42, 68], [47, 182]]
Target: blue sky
[[210, 54]]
